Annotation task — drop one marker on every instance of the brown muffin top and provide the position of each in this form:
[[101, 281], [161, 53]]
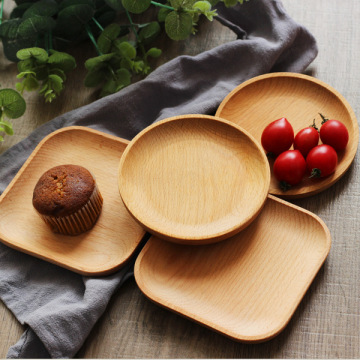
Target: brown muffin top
[[62, 190]]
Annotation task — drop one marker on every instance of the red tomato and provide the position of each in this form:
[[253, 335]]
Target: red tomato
[[277, 137], [334, 133], [322, 160], [306, 139], [289, 168]]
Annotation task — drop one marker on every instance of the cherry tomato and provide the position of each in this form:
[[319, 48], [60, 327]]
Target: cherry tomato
[[322, 160], [306, 139], [334, 133], [277, 137], [289, 168]]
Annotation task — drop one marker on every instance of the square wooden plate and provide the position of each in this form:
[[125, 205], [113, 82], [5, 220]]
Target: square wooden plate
[[246, 287], [115, 236]]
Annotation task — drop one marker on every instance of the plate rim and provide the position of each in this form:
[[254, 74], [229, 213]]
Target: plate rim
[[95, 271], [221, 329], [191, 240], [327, 87]]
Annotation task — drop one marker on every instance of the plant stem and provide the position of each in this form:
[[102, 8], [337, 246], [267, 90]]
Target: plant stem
[[132, 24], [98, 24], [91, 36], [1, 10], [162, 5]]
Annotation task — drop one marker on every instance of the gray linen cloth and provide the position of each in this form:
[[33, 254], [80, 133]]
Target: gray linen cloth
[[59, 308]]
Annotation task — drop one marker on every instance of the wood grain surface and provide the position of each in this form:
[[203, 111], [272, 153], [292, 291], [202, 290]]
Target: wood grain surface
[[246, 287], [114, 237], [327, 322], [300, 99], [175, 176]]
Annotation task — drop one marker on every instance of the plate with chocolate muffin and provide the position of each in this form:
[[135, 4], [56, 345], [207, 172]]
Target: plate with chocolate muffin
[[64, 207]]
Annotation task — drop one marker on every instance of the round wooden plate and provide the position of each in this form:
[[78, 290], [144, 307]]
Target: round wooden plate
[[299, 98], [194, 179]]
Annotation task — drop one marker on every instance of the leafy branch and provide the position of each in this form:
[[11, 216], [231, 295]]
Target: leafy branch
[[38, 33], [12, 106]]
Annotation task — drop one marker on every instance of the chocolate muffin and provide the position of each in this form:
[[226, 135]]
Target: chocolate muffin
[[68, 199]]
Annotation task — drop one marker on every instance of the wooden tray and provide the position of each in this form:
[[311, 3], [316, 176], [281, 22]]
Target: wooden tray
[[114, 237], [194, 179], [246, 287], [299, 98]]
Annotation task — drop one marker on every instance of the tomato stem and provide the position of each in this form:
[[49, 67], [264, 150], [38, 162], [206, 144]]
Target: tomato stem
[[314, 126], [285, 186], [315, 173], [324, 119]]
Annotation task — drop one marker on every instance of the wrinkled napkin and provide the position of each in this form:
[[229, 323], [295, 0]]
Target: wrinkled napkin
[[58, 307]]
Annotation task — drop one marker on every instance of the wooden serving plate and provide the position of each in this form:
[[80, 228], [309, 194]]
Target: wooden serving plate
[[115, 236], [246, 287], [299, 98], [194, 179]]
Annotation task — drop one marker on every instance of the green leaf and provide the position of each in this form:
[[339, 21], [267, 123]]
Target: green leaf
[[56, 83], [9, 29], [203, 6], [136, 6], [19, 2], [12, 103], [178, 25], [138, 66], [41, 8], [98, 61], [25, 73], [94, 77], [37, 53], [115, 4], [71, 20], [66, 3], [149, 33], [110, 87], [105, 18], [230, 3], [154, 52], [59, 72], [7, 127], [126, 50], [62, 60], [32, 27], [162, 14], [123, 77], [26, 65], [107, 37], [19, 10], [30, 83], [182, 4]]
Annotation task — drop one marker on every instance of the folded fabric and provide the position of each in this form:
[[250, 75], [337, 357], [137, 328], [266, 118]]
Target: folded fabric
[[58, 307]]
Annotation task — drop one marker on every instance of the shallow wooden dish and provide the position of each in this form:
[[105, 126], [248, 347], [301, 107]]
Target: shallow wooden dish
[[246, 287], [194, 179], [115, 236], [299, 98]]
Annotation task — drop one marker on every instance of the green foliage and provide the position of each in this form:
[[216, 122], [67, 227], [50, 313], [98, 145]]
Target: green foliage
[[121, 58], [38, 69], [12, 105], [136, 6], [178, 25], [38, 33]]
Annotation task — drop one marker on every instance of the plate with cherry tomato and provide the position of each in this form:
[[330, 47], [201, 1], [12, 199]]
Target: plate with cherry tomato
[[307, 128]]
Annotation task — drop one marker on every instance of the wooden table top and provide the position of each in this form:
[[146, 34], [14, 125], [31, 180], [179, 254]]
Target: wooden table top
[[327, 321]]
